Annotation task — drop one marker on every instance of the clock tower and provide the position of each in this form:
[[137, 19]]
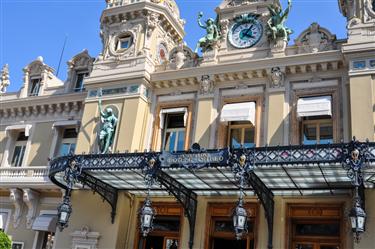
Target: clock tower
[[244, 29], [136, 35]]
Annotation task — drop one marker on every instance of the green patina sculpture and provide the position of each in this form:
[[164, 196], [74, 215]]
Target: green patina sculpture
[[276, 28], [107, 127], [212, 28]]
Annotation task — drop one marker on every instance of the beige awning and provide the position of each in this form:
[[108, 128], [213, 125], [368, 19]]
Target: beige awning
[[74, 123], [314, 106], [45, 222], [244, 111], [163, 112]]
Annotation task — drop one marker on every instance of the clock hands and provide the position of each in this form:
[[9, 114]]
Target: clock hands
[[247, 32]]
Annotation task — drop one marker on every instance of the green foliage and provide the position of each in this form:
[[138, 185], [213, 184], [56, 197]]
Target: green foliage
[[5, 242]]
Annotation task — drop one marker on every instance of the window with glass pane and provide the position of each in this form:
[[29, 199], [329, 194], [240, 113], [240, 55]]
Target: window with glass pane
[[241, 133], [35, 85], [174, 132], [79, 81], [317, 130], [68, 142], [19, 150], [314, 234]]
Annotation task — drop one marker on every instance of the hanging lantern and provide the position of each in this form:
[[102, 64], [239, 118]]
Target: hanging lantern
[[64, 212], [147, 215], [357, 220], [240, 220]]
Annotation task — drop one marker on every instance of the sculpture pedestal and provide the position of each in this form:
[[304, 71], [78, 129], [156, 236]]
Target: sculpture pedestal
[[278, 47], [210, 56]]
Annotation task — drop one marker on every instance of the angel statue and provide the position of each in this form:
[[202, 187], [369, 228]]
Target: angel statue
[[276, 24], [212, 28], [108, 122]]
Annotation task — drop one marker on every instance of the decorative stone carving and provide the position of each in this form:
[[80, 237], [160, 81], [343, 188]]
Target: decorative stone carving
[[315, 39], [224, 24], [85, 238], [182, 56], [31, 199], [277, 77], [370, 10], [16, 197], [206, 85], [4, 80], [152, 21]]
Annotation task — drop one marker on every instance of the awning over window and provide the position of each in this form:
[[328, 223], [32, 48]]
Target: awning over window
[[74, 123], [45, 222], [163, 112], [22, 127], [314, 106], [238, 112]]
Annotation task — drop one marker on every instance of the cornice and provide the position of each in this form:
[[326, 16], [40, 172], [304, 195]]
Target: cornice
[[294, 64]]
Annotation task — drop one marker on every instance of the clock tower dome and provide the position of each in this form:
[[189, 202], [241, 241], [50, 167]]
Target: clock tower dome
[[136, 35]]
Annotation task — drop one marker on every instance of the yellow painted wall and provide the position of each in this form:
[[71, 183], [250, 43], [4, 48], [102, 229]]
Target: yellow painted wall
[[87, 130], [90, 210], [275, 129], [362, 93], [203, 122], [132, 125], [40, 144]]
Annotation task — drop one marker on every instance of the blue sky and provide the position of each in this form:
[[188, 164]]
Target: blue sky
[[29, 28]]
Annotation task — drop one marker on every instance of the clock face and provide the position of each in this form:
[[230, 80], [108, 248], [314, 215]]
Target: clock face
[[245, 35]]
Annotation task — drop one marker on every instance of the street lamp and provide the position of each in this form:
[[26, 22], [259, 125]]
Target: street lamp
[[64, 211], [146, 212], [147, 215], [357, 219], [239, 213], [353, 163], [240, 220]]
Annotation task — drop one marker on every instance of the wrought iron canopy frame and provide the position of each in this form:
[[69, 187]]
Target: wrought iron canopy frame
[[63, 174]]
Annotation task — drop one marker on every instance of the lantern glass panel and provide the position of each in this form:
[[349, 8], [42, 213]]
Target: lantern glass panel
[[147, 220], [63, 216], [361, 222], [353, 221], [241, 221]]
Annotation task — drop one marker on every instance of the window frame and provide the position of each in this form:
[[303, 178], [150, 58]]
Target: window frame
[[32, 79], [318, 213], [85, 74], [23, 145], [295, 122], [171, 130], [223, 211], [63, 140], [157, 133], [163, 209], [222, 131], [318, 122], [242, 127]]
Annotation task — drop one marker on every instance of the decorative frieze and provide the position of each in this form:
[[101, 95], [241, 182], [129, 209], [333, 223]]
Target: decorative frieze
[[18, 113]]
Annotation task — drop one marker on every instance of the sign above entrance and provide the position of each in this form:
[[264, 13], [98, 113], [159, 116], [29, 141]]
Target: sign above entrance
[[194, 159]]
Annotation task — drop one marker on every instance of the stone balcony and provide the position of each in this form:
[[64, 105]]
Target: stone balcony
[[21, 177]]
